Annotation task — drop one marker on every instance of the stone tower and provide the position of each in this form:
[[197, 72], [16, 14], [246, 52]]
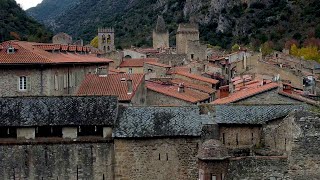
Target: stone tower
[[160, 34], [185, 33], [106, 39]]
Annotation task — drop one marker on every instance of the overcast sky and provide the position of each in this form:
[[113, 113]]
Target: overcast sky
[[26, 4]]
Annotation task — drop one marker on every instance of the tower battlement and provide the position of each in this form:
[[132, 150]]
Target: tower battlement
[[105, 30]]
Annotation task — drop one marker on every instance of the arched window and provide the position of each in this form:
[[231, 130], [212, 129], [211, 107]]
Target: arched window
[[109, 39], [103, 38]]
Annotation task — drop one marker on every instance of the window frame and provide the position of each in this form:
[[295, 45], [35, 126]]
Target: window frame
[[22, 83]]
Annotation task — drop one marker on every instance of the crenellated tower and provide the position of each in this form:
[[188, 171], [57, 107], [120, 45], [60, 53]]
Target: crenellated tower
[[106, 39]]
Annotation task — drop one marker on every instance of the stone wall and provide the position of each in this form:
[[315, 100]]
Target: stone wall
[[156, 159], [57, 161], [49, 81], [127, 53], [135, 70], [153, 71], [160, 40], [257, 168], [240, 136], [140, 96], [196, 51], [171, 59], [158, 99], [182, 39]]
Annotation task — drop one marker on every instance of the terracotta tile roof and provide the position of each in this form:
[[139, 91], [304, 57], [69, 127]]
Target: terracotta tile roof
[[29, 53], [112, 84], [191, 85], [147, 50], [115, 71], [243, 94], [188, 95], [197, 77], [158, 64], [299, 98], [136, 62]]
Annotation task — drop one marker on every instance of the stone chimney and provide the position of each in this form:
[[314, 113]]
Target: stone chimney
[[224, 91], [130, 86], [181, 88], [287, 88]]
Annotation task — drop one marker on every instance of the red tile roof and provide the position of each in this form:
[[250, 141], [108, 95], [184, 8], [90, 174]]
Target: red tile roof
[[246, 93], [299, 98], [191, 85], [112, 84], [115, 71], [29, 53], [158, 64], [188, 95], [197, 77], [136, 62]]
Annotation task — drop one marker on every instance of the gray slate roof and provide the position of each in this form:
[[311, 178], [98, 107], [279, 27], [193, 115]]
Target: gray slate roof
[[253, 114], [40, 111], [159, 122]]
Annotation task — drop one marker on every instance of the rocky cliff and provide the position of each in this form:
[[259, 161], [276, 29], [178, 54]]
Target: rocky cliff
[[222, 22]]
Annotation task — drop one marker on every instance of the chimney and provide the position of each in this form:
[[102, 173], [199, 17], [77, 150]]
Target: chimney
[[130, 86], [224, 91], [264, 82], [181, 88], [287, 88]]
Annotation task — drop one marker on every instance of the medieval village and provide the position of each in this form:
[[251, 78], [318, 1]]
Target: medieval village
[[75, 111]]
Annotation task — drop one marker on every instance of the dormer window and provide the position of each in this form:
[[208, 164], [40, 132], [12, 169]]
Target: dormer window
[[10, 50]]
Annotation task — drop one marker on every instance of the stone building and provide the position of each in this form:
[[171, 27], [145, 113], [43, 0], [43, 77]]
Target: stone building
[[129, 88], [160, 34], [186, 33], [135, 66], [106, 40], [33, 69], [57, 137], [177, 93], [155, 70], [62, 38], [158, 143]]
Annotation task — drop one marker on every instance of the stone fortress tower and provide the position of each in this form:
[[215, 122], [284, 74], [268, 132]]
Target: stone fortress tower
[[185, 33], [160, 34], [106, 39]]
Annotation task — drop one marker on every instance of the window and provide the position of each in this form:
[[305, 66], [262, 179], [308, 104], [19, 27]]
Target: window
[[109, 39], [56, 82], [10, 50], [149, 70], [22, 83], [130, 71], [192, 56], [201, 174], [213, 177], [65, 81]]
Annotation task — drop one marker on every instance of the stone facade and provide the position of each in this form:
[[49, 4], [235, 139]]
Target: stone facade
[[238, 136], [57, 161], [127, 53], [171, 59], [154, 71], [156, 159], [44, 81], [106, 40], [160, 35], [196, 51], [62, 38], [132, 70], [185, 33]]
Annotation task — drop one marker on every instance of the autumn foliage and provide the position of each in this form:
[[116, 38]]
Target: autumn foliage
[[309, 50]]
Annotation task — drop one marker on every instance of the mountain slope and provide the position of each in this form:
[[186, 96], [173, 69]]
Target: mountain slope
[[48, 10], [15, 24], [222, 22]]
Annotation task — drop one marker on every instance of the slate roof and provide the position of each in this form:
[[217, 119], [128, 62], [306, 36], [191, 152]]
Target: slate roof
[[143, 122], [253, 114], [40, 111]]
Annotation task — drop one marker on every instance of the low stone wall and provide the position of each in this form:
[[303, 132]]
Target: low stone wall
[[257, 168], [91, 161]]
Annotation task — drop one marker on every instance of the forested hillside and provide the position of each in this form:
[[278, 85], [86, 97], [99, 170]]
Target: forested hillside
[[222, 22], [15, 24]]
